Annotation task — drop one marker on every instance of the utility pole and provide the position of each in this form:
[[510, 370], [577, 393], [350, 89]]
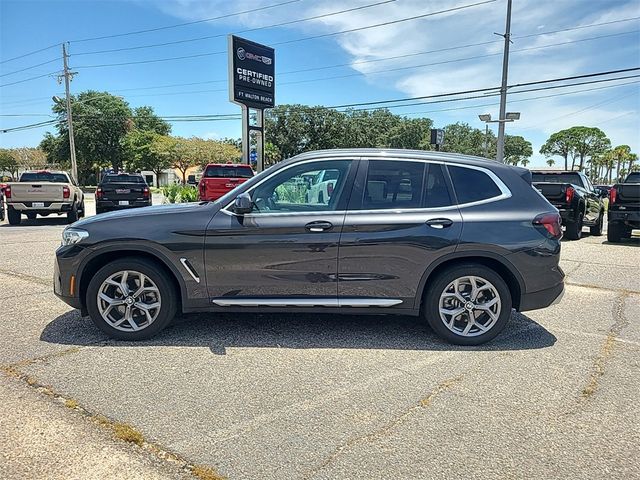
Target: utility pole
[[67, 79], [503, 88]]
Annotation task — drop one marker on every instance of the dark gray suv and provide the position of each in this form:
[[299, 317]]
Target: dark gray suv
[[458, 240]]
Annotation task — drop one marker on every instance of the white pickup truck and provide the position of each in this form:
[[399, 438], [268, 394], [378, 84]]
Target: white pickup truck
[[43, 193]]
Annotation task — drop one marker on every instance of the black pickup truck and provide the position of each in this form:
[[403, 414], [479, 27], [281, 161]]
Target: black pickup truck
[[578, 202], [117, 191], [624, 208]]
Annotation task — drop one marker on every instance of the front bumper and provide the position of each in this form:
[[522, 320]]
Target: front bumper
[[542, 298], [65, 281]]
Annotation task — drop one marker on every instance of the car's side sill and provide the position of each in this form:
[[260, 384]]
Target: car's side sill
[[306, 302]]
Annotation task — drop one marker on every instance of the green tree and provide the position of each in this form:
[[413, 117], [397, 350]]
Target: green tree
[[560, 143], [517, 150], [8, 163], [149, 151], [145, 119], [620, 156], [411, 133], [272, 154], [465, 139], [589, 142], [551, 162]]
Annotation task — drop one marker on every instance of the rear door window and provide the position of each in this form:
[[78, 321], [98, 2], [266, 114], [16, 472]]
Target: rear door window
[[393, 184], [435, 188], [472, 185]]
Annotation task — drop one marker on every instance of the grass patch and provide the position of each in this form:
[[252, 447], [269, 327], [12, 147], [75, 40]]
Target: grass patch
[[126, 432], [206, 473], [71, 403]]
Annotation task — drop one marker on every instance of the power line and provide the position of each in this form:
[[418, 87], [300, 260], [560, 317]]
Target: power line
[[220, 35], [28, 79], [630, 19], [166, 27], [29, 53], [29, 68], [406, 19], [28, 127]]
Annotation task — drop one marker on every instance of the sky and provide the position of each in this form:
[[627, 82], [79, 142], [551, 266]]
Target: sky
[[337, 69]]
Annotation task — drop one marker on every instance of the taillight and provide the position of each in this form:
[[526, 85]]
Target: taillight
[[203, 189], [613, 195], [550, 222], [330, 188], [145, 192], [569, 194], [99, 193], [66, 193], [7, 191]]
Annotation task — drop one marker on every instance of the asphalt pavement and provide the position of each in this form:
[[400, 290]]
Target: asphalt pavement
[[317, 396]]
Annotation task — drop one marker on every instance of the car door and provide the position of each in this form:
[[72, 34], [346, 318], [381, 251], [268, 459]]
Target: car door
[[285, 251], [593, 201], [401, 217]]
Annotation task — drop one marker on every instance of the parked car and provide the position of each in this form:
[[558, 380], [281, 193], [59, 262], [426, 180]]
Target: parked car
[[458, 240], [218, 179], [44, 193], [624, 208], [322, 186], [1, 205], [118, 191], [604, 189], [579, 203]]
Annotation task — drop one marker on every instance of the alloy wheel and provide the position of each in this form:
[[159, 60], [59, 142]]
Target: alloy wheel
[[129, 301], [470, 306]]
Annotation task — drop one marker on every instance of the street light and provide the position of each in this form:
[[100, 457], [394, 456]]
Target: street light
[[486, 117]]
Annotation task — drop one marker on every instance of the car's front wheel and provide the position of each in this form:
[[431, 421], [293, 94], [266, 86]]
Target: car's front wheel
[[131, 299], [468, 304]]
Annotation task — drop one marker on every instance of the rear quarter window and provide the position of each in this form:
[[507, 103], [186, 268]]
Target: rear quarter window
[[472, 185]]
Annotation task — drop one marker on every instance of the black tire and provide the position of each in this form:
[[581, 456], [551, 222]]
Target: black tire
[[168, 296], [32, 216], [431, 307], [574, 230], [615, 231], [72, 215], [596, 230], [14, 216], [1, 213], [82, 210]]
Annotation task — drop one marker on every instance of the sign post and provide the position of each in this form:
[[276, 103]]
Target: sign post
[[252, 86]]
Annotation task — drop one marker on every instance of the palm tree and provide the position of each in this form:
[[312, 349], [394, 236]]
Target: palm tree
[[551, 162], [525, 162]]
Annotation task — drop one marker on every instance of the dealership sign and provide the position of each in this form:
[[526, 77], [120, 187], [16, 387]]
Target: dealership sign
[[251, 73]]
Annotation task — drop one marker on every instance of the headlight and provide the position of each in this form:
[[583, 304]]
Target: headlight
[[73, 235]]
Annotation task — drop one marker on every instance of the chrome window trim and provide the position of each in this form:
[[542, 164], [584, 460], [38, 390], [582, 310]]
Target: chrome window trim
[[504, 190]]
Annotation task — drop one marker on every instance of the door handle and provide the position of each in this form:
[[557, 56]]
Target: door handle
[[318, 226], [439, 223]]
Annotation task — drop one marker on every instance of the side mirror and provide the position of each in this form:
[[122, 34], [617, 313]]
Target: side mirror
[[243, 204]]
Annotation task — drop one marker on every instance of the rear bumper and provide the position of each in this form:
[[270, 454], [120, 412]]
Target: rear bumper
[[47, 207], [542, 299], [114, 205], [630, 218]]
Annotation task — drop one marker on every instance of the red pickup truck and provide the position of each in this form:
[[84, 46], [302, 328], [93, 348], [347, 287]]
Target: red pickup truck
[[219, 179]]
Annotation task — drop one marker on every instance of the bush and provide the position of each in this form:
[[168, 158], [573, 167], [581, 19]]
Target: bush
[[176, 193]]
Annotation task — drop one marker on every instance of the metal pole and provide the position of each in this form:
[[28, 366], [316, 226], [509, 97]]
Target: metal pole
[[245, 135], [72, 144], [486, 140], [260, 141], [503, 88]]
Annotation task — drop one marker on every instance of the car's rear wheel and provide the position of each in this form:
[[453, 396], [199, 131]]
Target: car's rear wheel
[[72, 215], [574, 229], [131, 299], [15, 217], [596, 230], [468, 304]]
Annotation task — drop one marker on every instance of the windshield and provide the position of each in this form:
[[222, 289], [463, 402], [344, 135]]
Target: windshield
[[122, 179], [44, 177], [572, 178], [222, 171]]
